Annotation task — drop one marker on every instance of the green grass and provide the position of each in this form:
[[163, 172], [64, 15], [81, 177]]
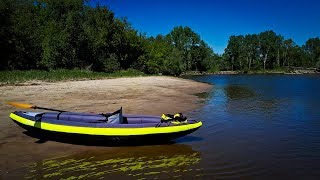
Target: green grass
[[16, 77]]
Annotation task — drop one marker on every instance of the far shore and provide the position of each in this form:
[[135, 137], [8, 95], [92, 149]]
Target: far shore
[[295, 71]]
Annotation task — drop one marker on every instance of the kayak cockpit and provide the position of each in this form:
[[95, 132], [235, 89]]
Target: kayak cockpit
[[90, 117]]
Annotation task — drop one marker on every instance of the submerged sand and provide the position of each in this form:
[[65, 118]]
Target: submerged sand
[[140, 95]]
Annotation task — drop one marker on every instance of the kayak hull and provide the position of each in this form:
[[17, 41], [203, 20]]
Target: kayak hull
[[153, 131]]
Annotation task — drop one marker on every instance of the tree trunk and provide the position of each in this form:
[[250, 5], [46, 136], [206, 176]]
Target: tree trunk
[[284, 59], [232, 63], [264, 61], [278, 59]]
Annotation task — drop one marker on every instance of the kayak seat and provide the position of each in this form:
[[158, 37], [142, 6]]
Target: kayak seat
[[124, 120], [76, 117]]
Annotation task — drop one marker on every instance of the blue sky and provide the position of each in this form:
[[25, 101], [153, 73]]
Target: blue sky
[[216, 21]]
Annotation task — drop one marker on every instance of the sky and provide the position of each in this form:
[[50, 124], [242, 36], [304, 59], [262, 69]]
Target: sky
[[216, 20]]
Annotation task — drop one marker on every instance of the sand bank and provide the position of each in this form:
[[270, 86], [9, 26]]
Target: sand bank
[[147, 95]]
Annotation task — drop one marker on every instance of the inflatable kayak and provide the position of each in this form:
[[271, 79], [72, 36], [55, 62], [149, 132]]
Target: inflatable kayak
[[104, 126]]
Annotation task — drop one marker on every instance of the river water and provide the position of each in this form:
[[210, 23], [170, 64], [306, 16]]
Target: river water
[[254, 126], [260, 126]]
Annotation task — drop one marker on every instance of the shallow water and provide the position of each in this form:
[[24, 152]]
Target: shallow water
[[260, 126], [254, 126]]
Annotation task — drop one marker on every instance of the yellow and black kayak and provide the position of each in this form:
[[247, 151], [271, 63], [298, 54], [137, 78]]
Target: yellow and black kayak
[[104, 127]]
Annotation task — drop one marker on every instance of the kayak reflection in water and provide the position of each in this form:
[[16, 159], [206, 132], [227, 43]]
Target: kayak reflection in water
[[161, 161]]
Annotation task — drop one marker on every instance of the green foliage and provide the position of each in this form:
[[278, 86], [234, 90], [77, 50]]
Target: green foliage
[[234, 52], [268, 50], [111, 63], [312, 49], [14, 77], [172, 64], [7, 8], [54, 46], [69, 34], [161, 57], [185, 40], [53, 34]]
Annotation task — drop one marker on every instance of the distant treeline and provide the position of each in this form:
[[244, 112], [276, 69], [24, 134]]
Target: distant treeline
[[268, 50], [70, 34]]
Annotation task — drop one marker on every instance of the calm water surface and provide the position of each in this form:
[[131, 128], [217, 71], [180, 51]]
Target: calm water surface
[[260, 125], [255, 126]]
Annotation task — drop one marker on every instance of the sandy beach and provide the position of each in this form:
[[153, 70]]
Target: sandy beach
[[141, 95]]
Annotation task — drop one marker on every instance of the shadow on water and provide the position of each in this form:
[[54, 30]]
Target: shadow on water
[[163, 161], [188, 139], [74, 139], [204, 96]]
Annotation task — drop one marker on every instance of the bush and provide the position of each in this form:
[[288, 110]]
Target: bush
[[111, 64]]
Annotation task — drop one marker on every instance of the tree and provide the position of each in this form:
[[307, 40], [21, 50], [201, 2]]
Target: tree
[[296, 56], [234, 52], [251, 47], [288, 48], [99, 31], [7, 7], [161, 57], [129, 47], [312, 50], [269, 46], [201, 56], [19, 35], [184, 39]]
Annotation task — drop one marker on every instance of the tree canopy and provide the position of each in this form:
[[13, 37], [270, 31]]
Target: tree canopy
[[69, 34]]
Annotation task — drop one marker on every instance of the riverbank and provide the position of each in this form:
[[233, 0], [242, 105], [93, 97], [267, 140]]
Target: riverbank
[[275, 71], [34, 76], [146, 95]]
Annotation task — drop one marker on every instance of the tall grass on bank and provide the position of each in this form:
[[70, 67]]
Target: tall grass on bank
[[16, 77]]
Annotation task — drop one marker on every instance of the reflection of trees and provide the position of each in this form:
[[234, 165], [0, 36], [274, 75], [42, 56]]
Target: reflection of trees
[[134, 162], [248, 101], [268, 106], [204, 96], [239, 92], [256, 107]]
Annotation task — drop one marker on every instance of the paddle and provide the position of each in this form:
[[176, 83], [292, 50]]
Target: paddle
[[29, 106]]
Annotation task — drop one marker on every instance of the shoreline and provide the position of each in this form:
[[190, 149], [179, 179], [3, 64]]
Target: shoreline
[[294, 72], [37, 77]]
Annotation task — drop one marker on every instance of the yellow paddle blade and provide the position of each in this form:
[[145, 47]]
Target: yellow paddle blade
[[20, 105]]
